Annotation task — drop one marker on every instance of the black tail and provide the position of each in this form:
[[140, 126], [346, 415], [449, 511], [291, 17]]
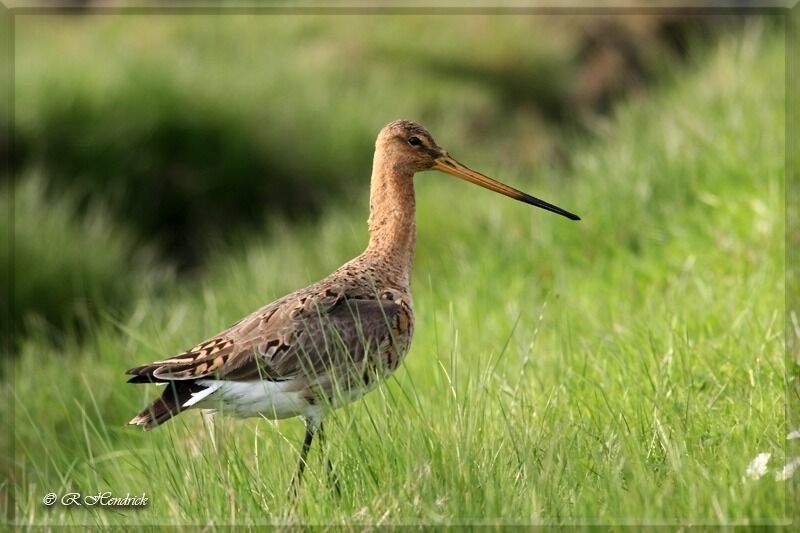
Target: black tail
[[175, 395]]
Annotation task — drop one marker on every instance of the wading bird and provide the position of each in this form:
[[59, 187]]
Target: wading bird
[[331, 342]]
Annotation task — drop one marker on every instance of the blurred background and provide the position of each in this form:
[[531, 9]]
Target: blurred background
[[175, 172], [147, 145]]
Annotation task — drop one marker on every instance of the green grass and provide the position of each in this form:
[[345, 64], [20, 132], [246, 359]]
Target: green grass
[[221, 129], [219, 120], [220, 125], [69, 262], [240, 119], [623, 369]]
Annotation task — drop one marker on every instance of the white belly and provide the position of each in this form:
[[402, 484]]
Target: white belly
[[243, 399]]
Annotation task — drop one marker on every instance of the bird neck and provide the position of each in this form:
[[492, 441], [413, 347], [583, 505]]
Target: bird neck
[[392, 224]]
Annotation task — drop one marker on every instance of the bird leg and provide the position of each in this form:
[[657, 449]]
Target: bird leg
[[311, 429], [301, 466], [333, 479]]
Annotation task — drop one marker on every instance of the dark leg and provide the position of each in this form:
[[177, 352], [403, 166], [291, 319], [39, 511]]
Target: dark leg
[[333, 479], [301, 466]]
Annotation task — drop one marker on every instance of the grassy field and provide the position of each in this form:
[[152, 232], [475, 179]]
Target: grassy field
[[228, 110], [221, 122], [623, 369]]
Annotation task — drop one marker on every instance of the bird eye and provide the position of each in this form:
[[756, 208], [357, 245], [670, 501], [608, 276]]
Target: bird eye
[[414, 141]]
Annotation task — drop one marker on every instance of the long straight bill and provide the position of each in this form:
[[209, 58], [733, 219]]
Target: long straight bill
[[449, 165]]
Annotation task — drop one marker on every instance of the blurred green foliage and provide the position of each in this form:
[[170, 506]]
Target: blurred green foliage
[[67, 263], [623, 369], [189, 131], [191, 126]]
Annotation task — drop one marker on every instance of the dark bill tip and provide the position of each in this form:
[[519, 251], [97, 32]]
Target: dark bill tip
[[532, 200]]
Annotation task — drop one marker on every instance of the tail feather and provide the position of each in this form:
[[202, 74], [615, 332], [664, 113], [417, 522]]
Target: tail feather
[[171, 402], [144, 374]]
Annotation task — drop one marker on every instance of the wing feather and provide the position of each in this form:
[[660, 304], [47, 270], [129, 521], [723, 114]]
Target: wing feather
[[307, 333]]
